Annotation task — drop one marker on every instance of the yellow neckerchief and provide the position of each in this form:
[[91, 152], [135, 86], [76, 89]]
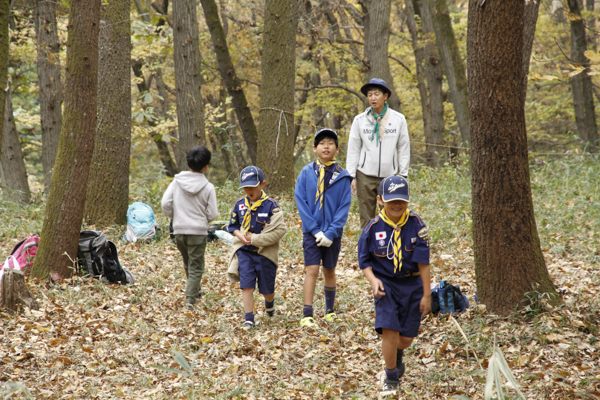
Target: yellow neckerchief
[[250, 208], [321, 181], [397, 241]]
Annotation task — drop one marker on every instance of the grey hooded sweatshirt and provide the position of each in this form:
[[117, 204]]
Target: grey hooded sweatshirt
[[191, 201]]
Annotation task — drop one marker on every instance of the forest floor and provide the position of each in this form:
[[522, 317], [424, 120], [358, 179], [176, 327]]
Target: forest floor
[[93, 340]]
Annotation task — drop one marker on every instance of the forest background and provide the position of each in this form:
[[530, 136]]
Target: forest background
[[551, 350]]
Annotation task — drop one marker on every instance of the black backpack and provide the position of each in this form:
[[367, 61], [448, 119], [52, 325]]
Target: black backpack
[[97, 257], [448, 299]]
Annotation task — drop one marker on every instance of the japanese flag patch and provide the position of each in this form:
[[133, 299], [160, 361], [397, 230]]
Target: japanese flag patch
[[380, 235], [242, 207], [423, 233]]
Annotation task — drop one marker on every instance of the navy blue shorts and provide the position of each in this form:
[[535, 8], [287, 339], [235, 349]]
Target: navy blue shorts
[[313, 254], [398, 310], [253, 267]]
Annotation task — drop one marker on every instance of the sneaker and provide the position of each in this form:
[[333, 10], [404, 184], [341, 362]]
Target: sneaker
[[389, 389], [188, 307], [270, 312], [309, 322], [331, 317], [248, 325]]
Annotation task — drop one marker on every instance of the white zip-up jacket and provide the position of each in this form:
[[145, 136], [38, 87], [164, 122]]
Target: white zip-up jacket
[[390, 157]]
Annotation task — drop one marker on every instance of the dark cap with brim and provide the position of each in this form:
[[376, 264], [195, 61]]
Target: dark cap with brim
[[325, 132], [394, 188], [251, 177], [376, 83]]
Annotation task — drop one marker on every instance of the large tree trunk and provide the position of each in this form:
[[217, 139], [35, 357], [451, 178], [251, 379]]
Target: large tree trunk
[[376, 22], [453, 64], [4, 42], [51, 96], [65, 205], [529, 23], [581, 84], [188, 79], [433, 71], [276, 134], [14, 174], [108, 185], [508, 258], [230, 79]]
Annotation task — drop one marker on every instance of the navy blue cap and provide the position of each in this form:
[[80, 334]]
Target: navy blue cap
[[251, 177], [323, 131], [394, 188], [376, 82]]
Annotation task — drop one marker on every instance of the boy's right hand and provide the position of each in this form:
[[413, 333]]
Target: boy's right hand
[[242, 238], [378, 289]]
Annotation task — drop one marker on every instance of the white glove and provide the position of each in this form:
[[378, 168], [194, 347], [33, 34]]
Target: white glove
[[325, 242], [318, 237]]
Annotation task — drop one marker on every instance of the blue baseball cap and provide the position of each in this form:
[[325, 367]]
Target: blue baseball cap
[[325, 131], [376, 82], [394, 187], [251, 177]]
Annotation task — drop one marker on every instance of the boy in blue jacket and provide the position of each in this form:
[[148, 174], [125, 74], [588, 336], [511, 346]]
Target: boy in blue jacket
[[393, 253], [323, 197]]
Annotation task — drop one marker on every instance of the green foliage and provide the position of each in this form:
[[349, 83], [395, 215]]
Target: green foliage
[[535, 302]]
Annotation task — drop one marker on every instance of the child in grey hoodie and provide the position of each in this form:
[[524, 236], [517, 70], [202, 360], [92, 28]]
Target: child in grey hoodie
[[191, 201]]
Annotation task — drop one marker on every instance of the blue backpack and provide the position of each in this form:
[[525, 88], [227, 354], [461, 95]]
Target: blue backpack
[[141, 223], [448, 299]]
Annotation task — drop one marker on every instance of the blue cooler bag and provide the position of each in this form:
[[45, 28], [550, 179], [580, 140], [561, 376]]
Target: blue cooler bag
[[141, 224]]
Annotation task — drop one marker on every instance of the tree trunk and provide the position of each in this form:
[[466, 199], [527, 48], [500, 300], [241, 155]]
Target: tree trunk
[[581, 84], [65, 205], [508, 258], [453, 64], [188, 79], [49, 75], [107, 196], [276, 134], [591, 24], [376, 22], [14, 174], [433, 72], [230, 79], [14, 294], [529, 23], [4, 43]]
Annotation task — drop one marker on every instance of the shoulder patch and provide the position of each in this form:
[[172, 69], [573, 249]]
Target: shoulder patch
[[423, 234], [371, 223], [276, 210]]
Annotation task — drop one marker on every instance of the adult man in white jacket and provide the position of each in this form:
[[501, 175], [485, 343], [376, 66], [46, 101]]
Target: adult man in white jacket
[[378, 146]]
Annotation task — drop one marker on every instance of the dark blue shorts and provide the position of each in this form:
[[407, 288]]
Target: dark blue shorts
[[313, 254], [398, 310], [253, 267]]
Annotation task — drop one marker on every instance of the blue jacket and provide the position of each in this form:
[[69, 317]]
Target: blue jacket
[[376, 251], [336, 202]]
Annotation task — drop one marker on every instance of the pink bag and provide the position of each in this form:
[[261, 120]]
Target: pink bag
[[23, 253]]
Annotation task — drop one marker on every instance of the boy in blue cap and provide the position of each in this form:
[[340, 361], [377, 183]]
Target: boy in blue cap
[[258, 225], [393, 253], [323, 198]]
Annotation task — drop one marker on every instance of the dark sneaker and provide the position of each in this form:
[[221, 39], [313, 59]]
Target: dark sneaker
[[270, 311], [389, 389]]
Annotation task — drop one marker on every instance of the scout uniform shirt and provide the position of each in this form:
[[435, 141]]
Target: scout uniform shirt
[[258, 218], [376, 251]]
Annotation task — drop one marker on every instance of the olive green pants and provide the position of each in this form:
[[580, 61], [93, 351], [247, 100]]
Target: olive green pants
[[192, 249], [367, 188]]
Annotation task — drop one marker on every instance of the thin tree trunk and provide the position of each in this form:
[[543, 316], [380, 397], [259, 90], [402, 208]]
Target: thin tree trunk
[[504, 225], [51, 96], [376, 22], [591, 24], [65, 205], [276, 134], [4, 43], [529, 24], [453, 64], [581, 84], [108, 185], [188, 79], [230, 79], [435, 77], [14, 174]]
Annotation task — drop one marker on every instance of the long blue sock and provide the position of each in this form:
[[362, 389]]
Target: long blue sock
[[249, 316], [270, 307], [329, 299], [392, 374], [307, 311]]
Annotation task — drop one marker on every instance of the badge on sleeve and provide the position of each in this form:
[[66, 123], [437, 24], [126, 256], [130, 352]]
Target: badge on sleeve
[[276, 210], [423, 233], [380, 235]]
